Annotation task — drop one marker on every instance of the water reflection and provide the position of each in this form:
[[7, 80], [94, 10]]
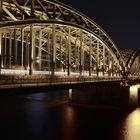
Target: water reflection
[[36, 114], [133, 95], [70, 94], [69, 114], [42, 114], [132, 126], [69, 123], [33, 117]]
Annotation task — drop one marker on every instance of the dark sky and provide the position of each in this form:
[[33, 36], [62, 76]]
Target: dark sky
[[119, 18]]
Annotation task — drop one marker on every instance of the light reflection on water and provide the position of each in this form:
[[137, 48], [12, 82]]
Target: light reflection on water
[[32, 117], [41, 118], [37, 96], [132, 126], [47, 96], [69, 123], [133, 94]]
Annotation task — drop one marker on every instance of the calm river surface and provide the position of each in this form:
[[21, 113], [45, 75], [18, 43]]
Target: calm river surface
[[40, 117]]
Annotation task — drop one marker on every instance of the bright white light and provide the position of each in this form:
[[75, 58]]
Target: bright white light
[[133, 95], [37, 61], [74, 66], [22, 71], [138, 86]]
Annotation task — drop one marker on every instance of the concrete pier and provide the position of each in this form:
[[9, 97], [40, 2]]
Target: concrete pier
[[102, 95]]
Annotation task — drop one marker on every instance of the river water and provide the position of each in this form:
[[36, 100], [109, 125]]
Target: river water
[[42, 116]]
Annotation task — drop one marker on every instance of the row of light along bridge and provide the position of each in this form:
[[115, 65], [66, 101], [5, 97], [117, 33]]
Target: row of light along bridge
[[51, 38]]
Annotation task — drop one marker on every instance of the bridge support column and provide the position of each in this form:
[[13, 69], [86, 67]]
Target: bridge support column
[[27, 55], [60, 54], [53, 62], [69, 51], [97, 70], [10, 50], [81, 54], [109, 72], [97, 59], [108, 65], [5, 51], [15, 48], [49, 54], [31, 50], [112, 69], [40, 50], [90, 57], [22, 46], [103, 60]]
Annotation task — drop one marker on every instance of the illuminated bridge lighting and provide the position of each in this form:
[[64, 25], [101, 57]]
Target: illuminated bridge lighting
[[31, 36], [13, 71], [132, 126]]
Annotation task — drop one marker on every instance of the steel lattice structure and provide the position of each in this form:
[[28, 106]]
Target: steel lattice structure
[[132, 61], [47, 35]]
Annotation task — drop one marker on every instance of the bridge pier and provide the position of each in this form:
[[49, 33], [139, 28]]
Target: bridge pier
[[101, 96], [107, 94]]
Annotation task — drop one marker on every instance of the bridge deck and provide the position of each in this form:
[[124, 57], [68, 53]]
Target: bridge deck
[[26, 81]]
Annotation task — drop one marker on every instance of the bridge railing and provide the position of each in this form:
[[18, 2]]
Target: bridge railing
[[42, 79]]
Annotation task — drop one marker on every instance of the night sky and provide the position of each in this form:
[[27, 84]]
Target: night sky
[[119, 18]]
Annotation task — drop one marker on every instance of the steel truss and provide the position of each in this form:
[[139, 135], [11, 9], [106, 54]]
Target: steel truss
[[50, 36], [135, 67], [132, 64]]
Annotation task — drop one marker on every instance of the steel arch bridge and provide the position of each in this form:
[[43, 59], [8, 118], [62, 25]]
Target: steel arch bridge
[[49, 37], [132, 61]]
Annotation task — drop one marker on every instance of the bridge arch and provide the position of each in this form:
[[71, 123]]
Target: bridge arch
[[51, 36], [133, 63]]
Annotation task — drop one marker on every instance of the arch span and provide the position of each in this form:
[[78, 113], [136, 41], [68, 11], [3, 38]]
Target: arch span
[[133, 63], [51, 36]]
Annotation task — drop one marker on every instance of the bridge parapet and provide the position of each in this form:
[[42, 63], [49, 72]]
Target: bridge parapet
[[12, 81]]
